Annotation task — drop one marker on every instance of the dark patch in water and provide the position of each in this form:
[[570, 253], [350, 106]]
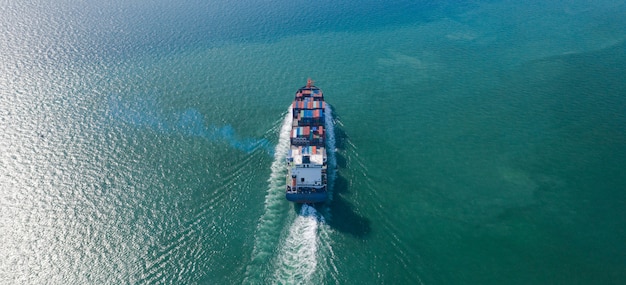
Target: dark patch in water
[[345, 219], [143, 113]]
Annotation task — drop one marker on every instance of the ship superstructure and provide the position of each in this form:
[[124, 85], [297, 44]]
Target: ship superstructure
[[307, 161]]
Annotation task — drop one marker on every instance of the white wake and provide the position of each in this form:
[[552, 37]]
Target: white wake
[[298, 253], [271, 221], [295, 247], [305, 254]]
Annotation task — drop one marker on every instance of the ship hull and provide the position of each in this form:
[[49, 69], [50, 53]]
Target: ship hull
[[307, 159], [308, 198]]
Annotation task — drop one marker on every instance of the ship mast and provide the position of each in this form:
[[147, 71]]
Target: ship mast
[[309, 83]]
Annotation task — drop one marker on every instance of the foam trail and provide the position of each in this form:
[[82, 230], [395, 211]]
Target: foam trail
[[332, 159], [302, 253], [298, 256], [306, 256], [272, 219]]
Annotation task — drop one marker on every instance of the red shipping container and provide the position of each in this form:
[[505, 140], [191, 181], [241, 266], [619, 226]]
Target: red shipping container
[[307, 130]]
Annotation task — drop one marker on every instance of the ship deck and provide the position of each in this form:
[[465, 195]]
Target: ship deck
[[306, 161]]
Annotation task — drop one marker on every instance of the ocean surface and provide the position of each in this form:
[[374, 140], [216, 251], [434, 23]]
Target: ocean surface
[[474, 142]]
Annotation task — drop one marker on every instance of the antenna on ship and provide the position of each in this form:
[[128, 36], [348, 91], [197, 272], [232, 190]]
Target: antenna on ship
[[309, 83]]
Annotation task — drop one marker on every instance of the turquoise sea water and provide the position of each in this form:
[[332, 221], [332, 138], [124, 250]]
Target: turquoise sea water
[[477, 142]]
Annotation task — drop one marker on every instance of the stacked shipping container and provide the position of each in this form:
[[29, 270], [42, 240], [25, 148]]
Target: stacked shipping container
[[308, 114]]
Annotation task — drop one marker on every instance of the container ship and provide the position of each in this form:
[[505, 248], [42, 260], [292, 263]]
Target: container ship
[[307, 161]]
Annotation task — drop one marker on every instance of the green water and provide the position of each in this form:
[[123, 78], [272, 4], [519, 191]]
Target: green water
[[475, 142]]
